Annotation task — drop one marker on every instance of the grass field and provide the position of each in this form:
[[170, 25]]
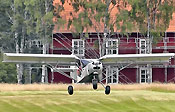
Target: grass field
[[54, 98]]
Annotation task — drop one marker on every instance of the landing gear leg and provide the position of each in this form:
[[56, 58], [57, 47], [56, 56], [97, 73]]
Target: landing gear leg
[[70, 90]]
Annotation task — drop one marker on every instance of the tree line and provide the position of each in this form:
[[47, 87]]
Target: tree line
[[26, 20], [23, 21]]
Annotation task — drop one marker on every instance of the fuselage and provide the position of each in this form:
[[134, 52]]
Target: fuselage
[[89, 69]]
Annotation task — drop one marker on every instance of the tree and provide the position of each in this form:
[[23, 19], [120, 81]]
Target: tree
[[151, 17], [96, 15], [6, 43], [44, 25], [25, 20], [7, 72], [41, 12]]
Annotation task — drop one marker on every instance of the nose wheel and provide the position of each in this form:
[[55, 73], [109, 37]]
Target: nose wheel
[[70, 90], [94, 83]]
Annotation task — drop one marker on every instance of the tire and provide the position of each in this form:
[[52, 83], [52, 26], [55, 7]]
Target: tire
[[107, 90], [94, 84], [70, 90]]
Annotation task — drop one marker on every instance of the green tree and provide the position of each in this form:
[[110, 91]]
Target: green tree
[[43, 13], [7, 72], [96, 15], [24, 20], [6, 43], [151, 17]]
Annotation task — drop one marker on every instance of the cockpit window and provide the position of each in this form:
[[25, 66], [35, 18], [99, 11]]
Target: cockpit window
[[84, 62]]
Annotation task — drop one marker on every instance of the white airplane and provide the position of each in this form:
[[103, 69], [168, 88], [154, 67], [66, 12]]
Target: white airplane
[[89, 70]]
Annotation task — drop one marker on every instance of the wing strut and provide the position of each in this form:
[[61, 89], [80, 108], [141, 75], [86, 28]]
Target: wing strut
[[117, 71], [60, 71]]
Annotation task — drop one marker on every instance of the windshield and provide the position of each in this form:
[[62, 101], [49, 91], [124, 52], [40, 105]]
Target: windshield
[[84, 62]]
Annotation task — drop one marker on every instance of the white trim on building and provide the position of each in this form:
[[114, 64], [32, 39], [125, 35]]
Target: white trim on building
[[78, 46], [112, 46], [145, 75], [112, 75], [143, 46]]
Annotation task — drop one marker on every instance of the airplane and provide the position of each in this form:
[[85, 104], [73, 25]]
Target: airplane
[[88, 70]]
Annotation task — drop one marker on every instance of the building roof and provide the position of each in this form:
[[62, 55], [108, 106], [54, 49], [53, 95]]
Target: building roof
[[68, 8]]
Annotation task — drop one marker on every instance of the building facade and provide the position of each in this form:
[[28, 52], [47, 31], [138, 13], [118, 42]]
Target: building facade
[[134, 43]]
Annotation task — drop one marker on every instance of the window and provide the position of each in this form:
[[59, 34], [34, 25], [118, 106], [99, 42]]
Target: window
[[112, 46], [113, 75], [142, 46], [78, 47], [145, 75]]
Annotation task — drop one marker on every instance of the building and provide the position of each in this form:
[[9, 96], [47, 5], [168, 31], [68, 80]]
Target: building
[[65, 43]]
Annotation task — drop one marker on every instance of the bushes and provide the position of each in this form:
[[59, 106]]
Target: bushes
[[8, 72]]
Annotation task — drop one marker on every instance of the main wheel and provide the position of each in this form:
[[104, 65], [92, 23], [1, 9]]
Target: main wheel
[[107, 90], [70, 90], [94, 83]]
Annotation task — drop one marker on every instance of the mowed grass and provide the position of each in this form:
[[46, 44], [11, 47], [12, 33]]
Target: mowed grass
[[54, 98]]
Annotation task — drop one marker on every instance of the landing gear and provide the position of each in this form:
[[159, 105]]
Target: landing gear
[[107, 90], [94, 83], [70, 90]]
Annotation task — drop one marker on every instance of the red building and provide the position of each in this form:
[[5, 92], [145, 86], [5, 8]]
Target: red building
[[65, 43]]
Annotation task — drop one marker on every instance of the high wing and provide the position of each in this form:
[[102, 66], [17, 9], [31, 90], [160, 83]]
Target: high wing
[[159, 58], [40, 58]]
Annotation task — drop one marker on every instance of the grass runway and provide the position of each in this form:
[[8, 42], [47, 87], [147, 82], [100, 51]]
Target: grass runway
[[120, 100]]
